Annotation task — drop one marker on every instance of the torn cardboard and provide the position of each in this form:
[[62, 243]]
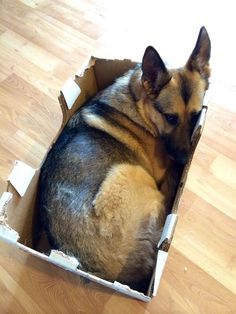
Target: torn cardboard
[[6, 231], [64, 260]]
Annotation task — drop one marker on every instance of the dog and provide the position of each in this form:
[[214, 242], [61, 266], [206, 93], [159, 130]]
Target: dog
[[108, 182]]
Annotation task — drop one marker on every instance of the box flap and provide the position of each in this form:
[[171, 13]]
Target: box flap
[[167, 232], [21, 176], [160, 264], [70, 91], [8, 233]]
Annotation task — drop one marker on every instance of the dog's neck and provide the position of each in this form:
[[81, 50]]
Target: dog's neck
[[126, 95]]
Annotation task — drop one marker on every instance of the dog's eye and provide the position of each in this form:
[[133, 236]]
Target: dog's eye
[[172, 119]]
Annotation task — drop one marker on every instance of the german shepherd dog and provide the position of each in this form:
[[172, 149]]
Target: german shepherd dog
[[107, 184]]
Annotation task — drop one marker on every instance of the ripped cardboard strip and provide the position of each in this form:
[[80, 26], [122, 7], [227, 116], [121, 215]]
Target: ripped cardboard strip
[[64, 260], [21, 176], [130, 292]]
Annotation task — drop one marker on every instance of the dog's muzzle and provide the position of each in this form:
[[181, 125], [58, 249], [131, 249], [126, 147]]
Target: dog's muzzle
[[179, 154]]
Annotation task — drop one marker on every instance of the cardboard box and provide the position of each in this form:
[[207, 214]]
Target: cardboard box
[[18, 206]]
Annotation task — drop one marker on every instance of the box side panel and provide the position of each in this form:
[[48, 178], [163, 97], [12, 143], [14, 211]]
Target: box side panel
[[171, 219], [195, 139], [48, 263], [107, 71], [38, 286]]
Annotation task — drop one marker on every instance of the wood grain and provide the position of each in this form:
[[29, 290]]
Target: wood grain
[[42, 43]]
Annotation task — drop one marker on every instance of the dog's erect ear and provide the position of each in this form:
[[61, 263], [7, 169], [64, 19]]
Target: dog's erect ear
[[199, 59], [155, 75]]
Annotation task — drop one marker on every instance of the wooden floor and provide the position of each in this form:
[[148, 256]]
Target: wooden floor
[[42, 43]]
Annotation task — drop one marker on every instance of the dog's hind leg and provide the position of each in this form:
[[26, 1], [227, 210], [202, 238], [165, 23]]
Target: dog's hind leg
[[129, 214]]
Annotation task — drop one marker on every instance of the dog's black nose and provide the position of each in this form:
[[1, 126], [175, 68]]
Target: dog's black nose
[[182, 156]]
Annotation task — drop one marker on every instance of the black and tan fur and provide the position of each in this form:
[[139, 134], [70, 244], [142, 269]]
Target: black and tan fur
[[106, 184]]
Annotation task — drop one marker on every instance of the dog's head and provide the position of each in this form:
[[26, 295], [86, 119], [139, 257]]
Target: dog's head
[[172, 99]]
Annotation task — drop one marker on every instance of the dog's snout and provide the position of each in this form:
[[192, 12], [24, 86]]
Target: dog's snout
[[179, 154]]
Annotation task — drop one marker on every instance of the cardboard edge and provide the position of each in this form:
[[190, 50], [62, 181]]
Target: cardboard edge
[[4, 200], [63, 259], [89, 62], [21, 176], [6, 232], [110, 57], [168, 231], [162, 246]]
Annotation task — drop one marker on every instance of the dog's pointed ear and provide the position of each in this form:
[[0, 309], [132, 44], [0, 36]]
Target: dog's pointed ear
[[199, 58], [154, 73]]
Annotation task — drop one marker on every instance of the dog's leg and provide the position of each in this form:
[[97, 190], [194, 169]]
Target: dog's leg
[[129, 213]]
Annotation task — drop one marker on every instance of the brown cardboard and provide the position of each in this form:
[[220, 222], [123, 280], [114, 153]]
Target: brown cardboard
[[22, 210]]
